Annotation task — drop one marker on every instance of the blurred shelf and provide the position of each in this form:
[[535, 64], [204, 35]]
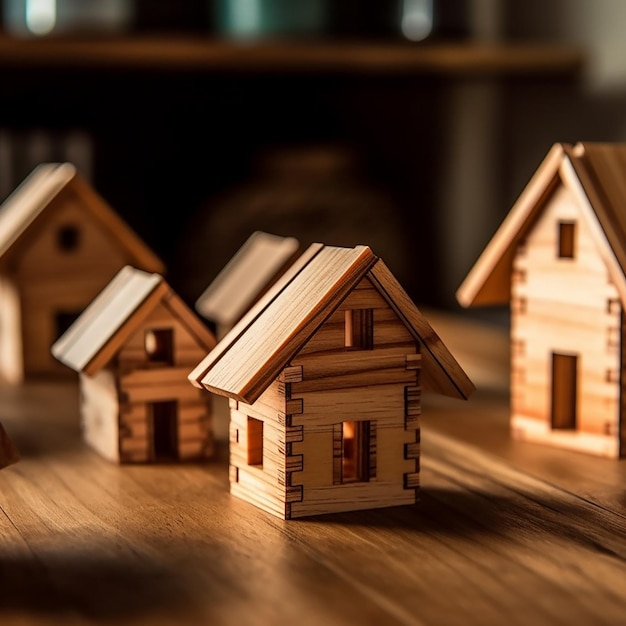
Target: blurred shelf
[[194, 54]]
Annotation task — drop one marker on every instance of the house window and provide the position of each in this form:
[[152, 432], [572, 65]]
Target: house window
[[159, 345], [359, 329], [68, 238], [255, 442], [567, 232], [564, 391], [354, 452]]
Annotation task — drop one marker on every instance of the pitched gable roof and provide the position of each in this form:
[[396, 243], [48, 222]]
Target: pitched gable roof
[[27, 205], [596, 174], [248, 274], [252, 355], [115, 314]]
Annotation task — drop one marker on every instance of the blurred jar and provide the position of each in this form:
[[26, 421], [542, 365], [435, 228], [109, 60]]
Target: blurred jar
[[315, 193], [48, 17], [270, 18], [408, 20]]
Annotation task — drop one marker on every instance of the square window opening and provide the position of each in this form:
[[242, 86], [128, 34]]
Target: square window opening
[[357, 456], [564, 391], [255, 442], [159, 345], [68, 238], [359, 329], [567, 234]]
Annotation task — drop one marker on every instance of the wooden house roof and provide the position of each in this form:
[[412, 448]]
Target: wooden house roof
[[249, 273], [119, 309], [254, 352], [26, 207], [595, 173]]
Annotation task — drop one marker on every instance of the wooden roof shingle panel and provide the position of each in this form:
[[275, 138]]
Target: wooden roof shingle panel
[[441, 373], [198, 373], [246, 362], [596, 175], [246, 276], [138, 251], [198, 330], [104, 316], [255, 359], [601, 170], [489, 279], [30, 199]]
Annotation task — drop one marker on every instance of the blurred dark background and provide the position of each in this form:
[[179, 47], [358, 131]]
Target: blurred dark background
[[391, 133]]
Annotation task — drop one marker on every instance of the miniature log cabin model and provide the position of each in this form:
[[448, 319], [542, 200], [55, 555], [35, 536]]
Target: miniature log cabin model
[[256, 266], [60, 244], [133, 347], [559, 258], [325, 375]]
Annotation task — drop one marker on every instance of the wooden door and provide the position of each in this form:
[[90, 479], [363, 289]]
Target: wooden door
[[164, 430], [564, 390]]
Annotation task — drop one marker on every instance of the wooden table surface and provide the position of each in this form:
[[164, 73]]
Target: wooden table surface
[[505, 532]]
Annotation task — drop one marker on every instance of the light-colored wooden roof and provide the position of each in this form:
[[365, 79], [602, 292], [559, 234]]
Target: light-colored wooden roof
[[48, 181], [103, 327], [596, 174], [252, 355], [246, 276]]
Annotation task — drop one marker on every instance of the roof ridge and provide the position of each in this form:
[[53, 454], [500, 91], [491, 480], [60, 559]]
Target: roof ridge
[[328, 287]]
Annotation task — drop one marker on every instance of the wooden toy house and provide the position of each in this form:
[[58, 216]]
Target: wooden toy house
[[325, 375], [60, 244], [559, 258], [256, 266], [133, 347]]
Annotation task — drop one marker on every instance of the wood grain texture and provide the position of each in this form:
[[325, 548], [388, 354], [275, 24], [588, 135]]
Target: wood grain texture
[[252, 270], [566, 312], [560, 255], [441, 371], [256, 358], [103, 325], [8, 452], [138, 406], [489, 279], [340, 311], [296, 319], [504, 531], [594, 174], [60, 244], [198, 373]]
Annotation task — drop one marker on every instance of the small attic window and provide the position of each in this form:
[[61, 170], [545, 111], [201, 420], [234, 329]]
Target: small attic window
[[567, 232], [68, 238], [159, 345], [359, 329]]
